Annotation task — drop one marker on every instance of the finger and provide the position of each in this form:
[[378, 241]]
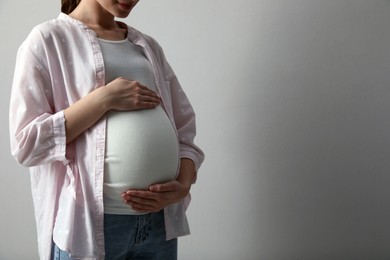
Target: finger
[[140, 194], [147, 98], [138, 207], [144, 208], [164, 187], [141, 201], [141, 204], [146, 91], [145, 105], [141, 86]]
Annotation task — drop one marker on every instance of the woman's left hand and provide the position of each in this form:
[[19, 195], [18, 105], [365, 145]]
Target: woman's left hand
[[157, 197]]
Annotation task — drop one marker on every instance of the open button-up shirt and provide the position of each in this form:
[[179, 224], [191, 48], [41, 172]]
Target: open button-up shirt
[[59, 63]]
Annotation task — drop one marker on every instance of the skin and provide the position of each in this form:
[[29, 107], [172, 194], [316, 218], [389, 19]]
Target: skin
[[124, 95]]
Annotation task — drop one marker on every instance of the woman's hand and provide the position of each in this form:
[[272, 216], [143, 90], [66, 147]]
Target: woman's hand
[[157, 197], [124, 94], [119, 94]]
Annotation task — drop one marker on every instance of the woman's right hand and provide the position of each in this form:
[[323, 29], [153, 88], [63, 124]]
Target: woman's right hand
[[123, 94], [120, 94]]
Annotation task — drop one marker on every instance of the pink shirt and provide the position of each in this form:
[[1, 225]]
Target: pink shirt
[[59, 63]]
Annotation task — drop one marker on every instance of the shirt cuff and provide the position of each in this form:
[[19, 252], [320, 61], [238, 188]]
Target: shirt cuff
[[59, 137]]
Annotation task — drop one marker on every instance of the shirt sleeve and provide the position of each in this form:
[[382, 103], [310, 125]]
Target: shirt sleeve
[[37, 131]]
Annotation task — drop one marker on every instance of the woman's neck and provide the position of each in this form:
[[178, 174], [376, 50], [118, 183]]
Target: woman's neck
[[91, 13]]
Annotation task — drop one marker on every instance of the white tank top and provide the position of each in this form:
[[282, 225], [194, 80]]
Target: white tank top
[[141, 146]]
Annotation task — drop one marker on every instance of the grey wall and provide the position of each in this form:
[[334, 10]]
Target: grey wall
[[293, 104]]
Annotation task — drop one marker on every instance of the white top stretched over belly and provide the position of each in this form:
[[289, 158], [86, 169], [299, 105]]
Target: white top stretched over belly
[[141, 149], [141, 146]]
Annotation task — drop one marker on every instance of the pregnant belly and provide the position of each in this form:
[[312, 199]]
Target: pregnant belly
[[141, 149]]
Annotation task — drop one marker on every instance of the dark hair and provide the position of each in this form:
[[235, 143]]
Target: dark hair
[[67, 6]]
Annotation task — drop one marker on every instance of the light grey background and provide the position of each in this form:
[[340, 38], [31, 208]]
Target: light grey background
[[293, 102]]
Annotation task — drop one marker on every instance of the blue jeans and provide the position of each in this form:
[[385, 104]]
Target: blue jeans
[[129, 237]]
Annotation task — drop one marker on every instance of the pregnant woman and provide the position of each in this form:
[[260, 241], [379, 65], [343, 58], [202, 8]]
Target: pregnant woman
[[101, 121]]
